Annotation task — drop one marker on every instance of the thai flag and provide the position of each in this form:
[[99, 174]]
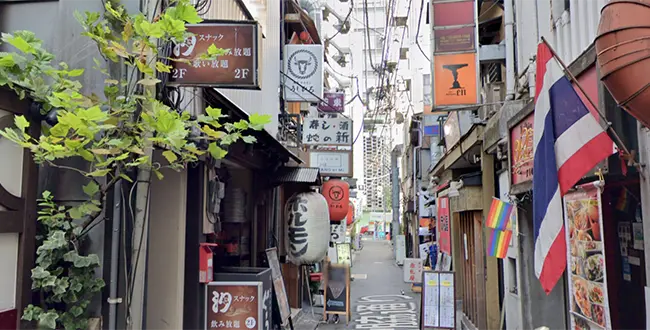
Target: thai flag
[[568, 142]]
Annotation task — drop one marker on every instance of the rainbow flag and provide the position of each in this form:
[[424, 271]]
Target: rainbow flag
[[498, 242], [499, 216]]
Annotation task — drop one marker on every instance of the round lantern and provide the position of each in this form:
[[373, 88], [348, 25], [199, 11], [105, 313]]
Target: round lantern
[[623, 53], [308, 228], [337, 194], [350, 217]]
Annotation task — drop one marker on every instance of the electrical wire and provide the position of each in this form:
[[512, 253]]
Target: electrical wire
[[417, 40], [346, 20]]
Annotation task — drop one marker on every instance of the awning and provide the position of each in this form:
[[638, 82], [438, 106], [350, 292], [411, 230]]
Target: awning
[[309, 175], [213, 95]]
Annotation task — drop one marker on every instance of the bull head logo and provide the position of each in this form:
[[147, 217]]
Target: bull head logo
[[303, 64]]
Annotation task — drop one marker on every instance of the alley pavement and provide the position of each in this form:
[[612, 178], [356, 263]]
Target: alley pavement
[[379, 297]]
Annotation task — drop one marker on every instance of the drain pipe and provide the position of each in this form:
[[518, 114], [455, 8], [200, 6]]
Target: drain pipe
[[510, 49], [113, 300]]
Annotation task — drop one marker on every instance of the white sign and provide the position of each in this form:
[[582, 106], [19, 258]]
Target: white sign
[[327, 131], [424, 210], [303, 69], [400, 249], [331, 163], [424, 250], [412, 270], [337, 232], [438, 301]]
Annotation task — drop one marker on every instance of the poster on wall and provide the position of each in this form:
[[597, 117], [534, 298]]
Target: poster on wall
[[443, 227], [589, 304]]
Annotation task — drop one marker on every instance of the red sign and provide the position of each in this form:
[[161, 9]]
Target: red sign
[[335, 102], [236, 68], [521, 151], [444, 225], [453, 13], [233, 305]]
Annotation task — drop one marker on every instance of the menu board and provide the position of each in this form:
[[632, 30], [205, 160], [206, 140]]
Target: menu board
[[438, 301], [278, 284], [588, 285], [343, 253], [236, 304]]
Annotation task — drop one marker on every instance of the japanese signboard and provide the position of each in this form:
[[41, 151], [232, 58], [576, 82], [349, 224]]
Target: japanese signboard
[[327, 131], [337, 290], [455, 79], [335, 102], [237, 68], [454, 40], [332, 163], [234, 305], [438, 300], [337, 232], [303, 73], [521, 151], [343, 254], [412, 270], [444, 225]]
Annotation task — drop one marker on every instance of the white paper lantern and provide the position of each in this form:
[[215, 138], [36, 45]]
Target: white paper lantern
[[308, 228]]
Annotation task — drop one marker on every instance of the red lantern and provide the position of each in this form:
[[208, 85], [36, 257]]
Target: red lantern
[[337, 194], [350, 217], [304, 36]]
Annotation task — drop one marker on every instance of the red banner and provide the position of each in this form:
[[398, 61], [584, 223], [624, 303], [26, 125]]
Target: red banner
[[444, 225]]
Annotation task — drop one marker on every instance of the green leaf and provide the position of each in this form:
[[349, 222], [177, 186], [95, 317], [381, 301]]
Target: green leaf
[[18, 42], [149, 81], [214, 112], [76, 311], [21, 123], [158, 174], [91, 188], [31, 312], [249, 139], [162, 67], [126, 177], [48, 319], [216, 151], [99, 172], [212, 133], [39, 273], [185, 12], [241, 125], [7, 60], [153, 30], [170, 156], [76, 72], [258, 121]]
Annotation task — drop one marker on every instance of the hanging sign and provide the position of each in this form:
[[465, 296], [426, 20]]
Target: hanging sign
[[521, 151], [455, 79], [589, 305], [438, 301], [337, 290], [237, 68], [327, 131], [235, 303], [308, 228], [444, 225], [332, 163], [303, 73], [334, 102], [337, 233], [337, 194]]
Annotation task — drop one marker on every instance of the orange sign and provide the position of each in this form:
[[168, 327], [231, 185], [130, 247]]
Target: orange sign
[[455, 79]]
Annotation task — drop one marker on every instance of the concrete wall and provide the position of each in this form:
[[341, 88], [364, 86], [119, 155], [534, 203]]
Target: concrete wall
[[166, 260]]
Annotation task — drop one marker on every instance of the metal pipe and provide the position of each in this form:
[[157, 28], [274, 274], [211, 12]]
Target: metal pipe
[[115, 256], [510, 49]]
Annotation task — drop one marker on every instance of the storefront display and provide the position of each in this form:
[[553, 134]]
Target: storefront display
[[589, 305]]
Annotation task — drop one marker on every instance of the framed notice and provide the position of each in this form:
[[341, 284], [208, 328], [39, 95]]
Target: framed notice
[[343, 254], [236, 303], [438, 300], [337, 290], [337, 163], [278, 285]]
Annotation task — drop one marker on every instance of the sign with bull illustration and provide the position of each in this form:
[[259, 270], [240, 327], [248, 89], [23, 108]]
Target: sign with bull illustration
[[303, 73]]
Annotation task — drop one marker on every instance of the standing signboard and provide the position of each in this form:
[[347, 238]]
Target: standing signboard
[[589, 303], [235, 69], [278, 286], [233, 303], [303, 73], [327, 131], [337, 290], [412, 270], [438, 300], [455, 58], [343, 254], [444, 225], [332, 163]]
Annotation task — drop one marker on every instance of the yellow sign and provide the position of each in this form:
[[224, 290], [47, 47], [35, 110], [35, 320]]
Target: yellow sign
[[455, 79]]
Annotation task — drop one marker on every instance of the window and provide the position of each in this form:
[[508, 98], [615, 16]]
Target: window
[[512, 276], [403, 52], [400, 21]]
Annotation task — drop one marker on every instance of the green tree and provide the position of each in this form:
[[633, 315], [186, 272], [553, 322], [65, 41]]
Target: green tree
[[114, 134]]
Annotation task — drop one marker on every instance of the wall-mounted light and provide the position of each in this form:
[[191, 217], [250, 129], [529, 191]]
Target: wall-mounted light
[[454, 187]]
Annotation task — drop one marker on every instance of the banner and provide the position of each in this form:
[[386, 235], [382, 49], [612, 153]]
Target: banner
[[589, 304], [444, 225]]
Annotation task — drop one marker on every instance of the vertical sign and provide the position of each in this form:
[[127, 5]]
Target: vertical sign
[[455, 57], [303, 73], [444, 225], [589, 305], [521, 151]]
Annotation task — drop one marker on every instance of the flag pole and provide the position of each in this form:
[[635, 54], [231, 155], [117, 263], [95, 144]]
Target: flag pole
[[617, 139]]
